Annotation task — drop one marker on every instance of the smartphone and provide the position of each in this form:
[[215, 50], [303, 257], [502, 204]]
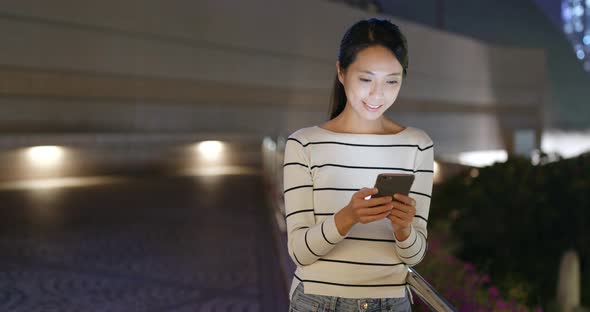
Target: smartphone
[[388, 184]]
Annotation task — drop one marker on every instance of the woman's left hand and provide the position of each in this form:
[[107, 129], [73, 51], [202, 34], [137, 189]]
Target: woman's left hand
[[402, 215]]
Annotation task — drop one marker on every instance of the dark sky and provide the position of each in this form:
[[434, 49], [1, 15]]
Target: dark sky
[[552, 8]]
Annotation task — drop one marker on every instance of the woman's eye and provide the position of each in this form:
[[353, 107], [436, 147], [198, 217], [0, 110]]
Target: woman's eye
[[392, 82], [365, 80]]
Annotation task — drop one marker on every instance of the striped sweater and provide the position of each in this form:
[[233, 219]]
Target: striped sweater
[[322, 169]]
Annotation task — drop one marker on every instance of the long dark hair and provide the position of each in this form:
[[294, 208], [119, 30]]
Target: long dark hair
[[361, 35]]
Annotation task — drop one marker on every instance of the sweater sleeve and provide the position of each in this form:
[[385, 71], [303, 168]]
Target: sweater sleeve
[[412, 250], [307, 241]]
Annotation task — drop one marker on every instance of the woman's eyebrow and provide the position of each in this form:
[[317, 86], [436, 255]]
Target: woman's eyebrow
[[372, 73]]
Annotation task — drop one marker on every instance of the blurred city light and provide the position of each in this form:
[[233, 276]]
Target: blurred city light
[[269, 144], [210, 150], [45, 156], [566, 144], [483, 158], [57, 183], [437, 173], [219, 170], [575, 16]]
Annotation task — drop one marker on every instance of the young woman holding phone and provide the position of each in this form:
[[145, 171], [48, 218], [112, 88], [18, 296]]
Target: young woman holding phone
[[352, 251]]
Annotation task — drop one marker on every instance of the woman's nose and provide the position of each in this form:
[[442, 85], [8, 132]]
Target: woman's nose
[[377, 92]]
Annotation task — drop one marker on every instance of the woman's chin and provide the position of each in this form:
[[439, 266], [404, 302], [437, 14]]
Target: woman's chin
[[371, 116]]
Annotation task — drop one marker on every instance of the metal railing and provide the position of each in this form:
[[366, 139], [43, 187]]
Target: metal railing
[[432, 298]]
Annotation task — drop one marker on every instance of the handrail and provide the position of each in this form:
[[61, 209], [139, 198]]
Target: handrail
[[432, 298]]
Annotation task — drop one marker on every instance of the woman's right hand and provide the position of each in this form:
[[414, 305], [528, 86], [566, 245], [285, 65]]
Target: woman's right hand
[[361, 210]]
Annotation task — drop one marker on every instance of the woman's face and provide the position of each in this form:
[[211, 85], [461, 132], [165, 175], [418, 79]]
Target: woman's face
[[372, 82]]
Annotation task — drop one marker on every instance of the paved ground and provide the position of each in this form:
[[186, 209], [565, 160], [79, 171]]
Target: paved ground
[[140, 243]]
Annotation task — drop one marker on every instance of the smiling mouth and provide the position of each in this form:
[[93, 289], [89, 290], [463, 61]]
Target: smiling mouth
[[371, 107]]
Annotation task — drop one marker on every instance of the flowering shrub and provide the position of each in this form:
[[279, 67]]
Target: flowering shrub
[[460, 283], [515, 220]]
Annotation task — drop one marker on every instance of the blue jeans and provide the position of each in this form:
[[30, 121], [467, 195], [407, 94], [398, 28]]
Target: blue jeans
[[301, 302]]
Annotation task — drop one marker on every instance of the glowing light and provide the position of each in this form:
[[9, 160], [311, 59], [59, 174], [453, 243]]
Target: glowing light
[[55, 183], [437, 172], [269, 144], [566, 13], [45, 156], [576, 26], [210, 150], [220, 170], [566, 144], [483, 158]]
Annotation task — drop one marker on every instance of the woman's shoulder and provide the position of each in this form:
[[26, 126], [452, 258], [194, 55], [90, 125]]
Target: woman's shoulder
[[408, 134], [419, 135], [304, 134]]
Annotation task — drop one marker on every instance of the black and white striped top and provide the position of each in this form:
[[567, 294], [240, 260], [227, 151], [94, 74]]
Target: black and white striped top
[[322, 169]]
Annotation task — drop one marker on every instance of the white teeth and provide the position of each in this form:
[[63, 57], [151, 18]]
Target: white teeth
[[371, 106]]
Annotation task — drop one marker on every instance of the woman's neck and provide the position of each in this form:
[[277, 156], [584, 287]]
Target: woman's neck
[[348, 124]]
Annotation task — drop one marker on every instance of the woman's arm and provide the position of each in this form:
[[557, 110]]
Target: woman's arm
[[411, 241], [307, 241]]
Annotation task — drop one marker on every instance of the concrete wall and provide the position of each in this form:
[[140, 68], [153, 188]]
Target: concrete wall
[[255, 67]]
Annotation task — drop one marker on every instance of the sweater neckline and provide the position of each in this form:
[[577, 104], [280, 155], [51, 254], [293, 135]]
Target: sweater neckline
[[363, 134]]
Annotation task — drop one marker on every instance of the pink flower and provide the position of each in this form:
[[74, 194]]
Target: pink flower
[[501, 305], [469, 267], [494, 292], [450, 259], [485, 278]]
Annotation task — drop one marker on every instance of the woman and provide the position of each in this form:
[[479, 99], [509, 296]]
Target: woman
[[352, 251]]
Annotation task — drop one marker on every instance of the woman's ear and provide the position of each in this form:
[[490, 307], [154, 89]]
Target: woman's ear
[[340, 73]]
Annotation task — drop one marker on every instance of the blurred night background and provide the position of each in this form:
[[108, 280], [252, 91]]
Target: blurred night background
[[141, 148]]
